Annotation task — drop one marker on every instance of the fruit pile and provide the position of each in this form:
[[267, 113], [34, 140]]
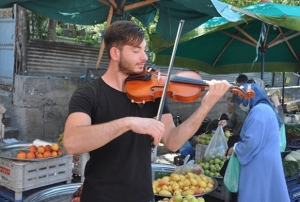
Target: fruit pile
[[188, 198], [41, 151], [211, 167], [205, 138], [180, 185]]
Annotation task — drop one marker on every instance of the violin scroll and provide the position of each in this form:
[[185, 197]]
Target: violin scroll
[[248, 94]]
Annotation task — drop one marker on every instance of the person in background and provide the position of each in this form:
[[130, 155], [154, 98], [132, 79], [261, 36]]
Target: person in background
[[262, 176], [213, 125], [235, 122], [118, 133], [238, 116]]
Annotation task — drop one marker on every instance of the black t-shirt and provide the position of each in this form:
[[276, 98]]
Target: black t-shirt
[[121, 169]]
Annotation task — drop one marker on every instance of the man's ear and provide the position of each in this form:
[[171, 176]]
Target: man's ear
[[115, 53]]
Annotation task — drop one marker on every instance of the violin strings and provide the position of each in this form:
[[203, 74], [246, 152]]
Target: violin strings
[[182, 79]]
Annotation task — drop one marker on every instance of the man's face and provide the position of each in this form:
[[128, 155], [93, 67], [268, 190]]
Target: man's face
[[133, 59]]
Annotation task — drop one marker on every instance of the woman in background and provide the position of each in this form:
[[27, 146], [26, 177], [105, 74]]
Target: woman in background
[[262, 177]]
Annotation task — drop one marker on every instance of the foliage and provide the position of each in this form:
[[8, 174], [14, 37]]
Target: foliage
[[239, 3], [148, 30], [38, 25], [88, 39], [60, 138], [290, 168], [293, 129], [58, 30]]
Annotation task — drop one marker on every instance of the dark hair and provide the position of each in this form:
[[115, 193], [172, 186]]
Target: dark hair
[[242, 78], [224, 117], [122, 33]]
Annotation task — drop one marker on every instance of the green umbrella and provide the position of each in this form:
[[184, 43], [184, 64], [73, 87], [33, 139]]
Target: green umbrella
[[90, 12], [222, 47]]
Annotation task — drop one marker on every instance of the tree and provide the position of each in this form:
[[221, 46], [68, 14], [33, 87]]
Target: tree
[[52, 30]]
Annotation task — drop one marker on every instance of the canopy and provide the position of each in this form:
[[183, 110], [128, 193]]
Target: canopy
[[222, 47], [90, 12]]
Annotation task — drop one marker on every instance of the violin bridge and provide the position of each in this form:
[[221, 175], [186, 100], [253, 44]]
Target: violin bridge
[[158, 76], [143, 102]]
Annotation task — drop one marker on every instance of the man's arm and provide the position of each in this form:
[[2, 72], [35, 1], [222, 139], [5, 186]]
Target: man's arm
[[175, 137], [80, 136]]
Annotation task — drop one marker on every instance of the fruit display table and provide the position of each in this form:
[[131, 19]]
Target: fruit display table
[[21, 175]]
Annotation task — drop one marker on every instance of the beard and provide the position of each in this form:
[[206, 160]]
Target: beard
[[126, 67]]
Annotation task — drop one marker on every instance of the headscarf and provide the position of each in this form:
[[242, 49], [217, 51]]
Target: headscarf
[[260, 97]]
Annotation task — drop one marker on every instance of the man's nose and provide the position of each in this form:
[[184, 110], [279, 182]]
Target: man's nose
[[144, 56]]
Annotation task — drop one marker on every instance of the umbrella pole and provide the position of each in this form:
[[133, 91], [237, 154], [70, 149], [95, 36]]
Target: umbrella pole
[[110, 13], [262, 65], [283, 82]]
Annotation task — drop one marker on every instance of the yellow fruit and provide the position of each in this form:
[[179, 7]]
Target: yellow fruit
[[41, 149], [178, 198], [175, 177], [165, 192], [203, 184], [53, 153], [54, 146], [175, 186]]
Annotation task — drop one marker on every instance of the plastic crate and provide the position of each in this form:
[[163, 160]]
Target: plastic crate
[[221, 191], [293, 181], [7, 195], [159, 170], [293, 144], [20, 176], [79, 162], [200, 150], [295, 194]]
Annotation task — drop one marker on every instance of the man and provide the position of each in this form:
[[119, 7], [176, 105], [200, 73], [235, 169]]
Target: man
[[116, 132], [238, 116]]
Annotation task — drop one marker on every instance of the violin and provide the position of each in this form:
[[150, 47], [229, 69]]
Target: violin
[[184, 86]]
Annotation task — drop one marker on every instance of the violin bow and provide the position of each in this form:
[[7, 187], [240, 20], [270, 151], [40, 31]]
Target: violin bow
[[162, 101]]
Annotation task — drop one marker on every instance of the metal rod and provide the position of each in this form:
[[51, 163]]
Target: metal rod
[[262, 65], [282, 94], [162, 101], [159, 113]]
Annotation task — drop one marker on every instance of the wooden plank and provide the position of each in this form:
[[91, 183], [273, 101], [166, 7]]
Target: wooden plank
[[139, 4], [102, 43]]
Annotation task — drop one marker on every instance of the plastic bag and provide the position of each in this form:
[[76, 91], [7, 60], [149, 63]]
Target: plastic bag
[[232, 174], [189, 167], [217, 146], [282, 139]]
